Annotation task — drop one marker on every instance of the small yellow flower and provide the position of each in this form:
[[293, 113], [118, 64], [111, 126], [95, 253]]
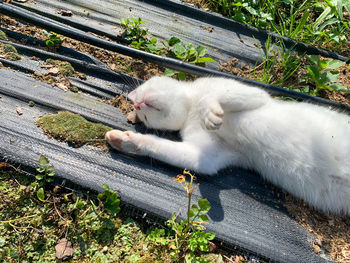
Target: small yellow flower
[[180, 178]]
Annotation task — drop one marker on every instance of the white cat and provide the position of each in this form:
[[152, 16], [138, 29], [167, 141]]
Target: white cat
[[301, 147]]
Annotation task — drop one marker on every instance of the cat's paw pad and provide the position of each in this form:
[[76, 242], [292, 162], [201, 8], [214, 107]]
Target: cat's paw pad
[[122, 141], [213, 118]]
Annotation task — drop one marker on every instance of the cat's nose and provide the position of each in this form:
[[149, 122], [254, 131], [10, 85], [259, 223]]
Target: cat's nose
[[137, 105]]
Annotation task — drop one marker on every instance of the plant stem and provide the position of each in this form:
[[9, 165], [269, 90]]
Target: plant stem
[[13, 220]]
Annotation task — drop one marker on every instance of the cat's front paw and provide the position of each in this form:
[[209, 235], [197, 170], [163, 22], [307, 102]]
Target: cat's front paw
[[212, 115], [122, 141]]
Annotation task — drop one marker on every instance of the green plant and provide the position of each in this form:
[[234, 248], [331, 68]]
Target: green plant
[[45, 175], [53, 39], [187, 53], [321, 78], [133, 30], [330, 23], [139, 38], [186, 238], [279, 64], [110, 200], [247, 11]]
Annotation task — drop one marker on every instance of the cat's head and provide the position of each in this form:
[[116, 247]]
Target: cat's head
[[161, 103]]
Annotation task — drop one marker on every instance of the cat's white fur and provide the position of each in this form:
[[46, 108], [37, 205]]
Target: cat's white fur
[[301, 147]]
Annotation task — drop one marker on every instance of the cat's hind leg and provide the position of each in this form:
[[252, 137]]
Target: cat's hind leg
[[204, 158]]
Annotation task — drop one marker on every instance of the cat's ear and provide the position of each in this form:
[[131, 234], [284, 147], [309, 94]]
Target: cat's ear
[[132, 95]]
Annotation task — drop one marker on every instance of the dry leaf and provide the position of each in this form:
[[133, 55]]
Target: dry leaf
[[62, 86], [64, 249], [19, 110], [53, 71], [65, 12], [47, 66], [317, 249], [3, 164]]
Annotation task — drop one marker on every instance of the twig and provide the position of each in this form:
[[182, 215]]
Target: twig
[[229, 259]]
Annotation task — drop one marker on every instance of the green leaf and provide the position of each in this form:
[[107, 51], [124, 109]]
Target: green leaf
[[205, 59], [201, 51], [334, 64], [40, 194], [314, 73], [251, 10], [301, 24], [338, 87], [181, 75], [110, 200], [169, 72], [173, 40], [179, 49], [79, 204], [210, 236], [195, 209], [204, 205], [39, 176], [313, 58], [339, 8], [40, 170], [204, 218], [43, 161], [191, 213], [328, 23], [323, 17], [2, 242], [329, 76]]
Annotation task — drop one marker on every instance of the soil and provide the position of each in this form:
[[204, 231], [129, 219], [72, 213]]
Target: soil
[[120, 63], [123, 104], [332, 232]]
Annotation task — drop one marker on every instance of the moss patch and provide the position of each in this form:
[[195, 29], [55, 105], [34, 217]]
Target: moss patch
[[64, 67], [3, 35], [9, 52], [74, 129]]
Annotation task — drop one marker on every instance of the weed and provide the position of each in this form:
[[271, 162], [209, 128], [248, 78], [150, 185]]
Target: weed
[[45, 175], [110, 200], [186, 238], [320, 77], [53, 40], [188, 53], [330, 24], [324, 23], [279, 64], [133, 30], [140, 38]]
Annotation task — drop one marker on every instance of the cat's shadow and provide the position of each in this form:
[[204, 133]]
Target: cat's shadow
[[238, 189], [246, 187]]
